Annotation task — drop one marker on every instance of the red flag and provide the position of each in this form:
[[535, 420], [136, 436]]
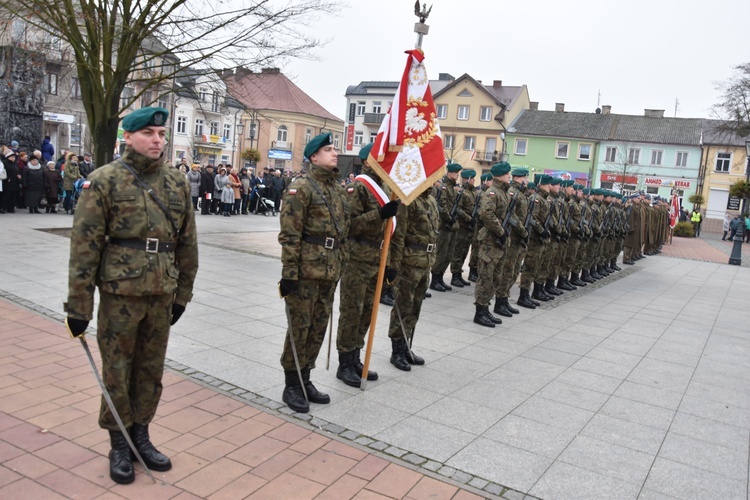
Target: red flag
[[408, 150], [674, 211]]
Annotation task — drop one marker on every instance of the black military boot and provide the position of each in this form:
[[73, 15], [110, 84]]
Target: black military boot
[[501, 309], [575, 280], [347, 372], [436, 284], [593, 274], [586, 277], [495, 319], [473, 276], [550, 288], [524, 300], [386, 296], [371, 375], [293, 395], [566, 279], [398, 354], [120, 464], [447, 287], [539, 294], [457, 281], [466, 283], [313, 394], [601, 270], [412, 358], [153, 459], [427, 295], [562, 285], [614, 266], [509, 307], [480, 318]]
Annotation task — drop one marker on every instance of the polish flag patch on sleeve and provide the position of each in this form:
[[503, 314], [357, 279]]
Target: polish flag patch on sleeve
[[292, 191], [349, 190], [86, 185]]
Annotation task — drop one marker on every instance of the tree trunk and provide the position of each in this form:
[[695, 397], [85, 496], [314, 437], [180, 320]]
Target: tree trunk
[[105, 138]]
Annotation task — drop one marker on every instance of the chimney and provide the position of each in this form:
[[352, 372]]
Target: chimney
[[653, 113], [445, 77], [270, 71], [242, 71], [497, 83], [606, 109], [534, 106], [559, 107]]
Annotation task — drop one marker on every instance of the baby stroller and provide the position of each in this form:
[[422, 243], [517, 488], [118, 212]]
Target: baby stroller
[[261, 201]]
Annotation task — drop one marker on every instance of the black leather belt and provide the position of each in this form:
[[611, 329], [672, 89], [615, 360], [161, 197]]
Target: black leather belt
[[429, 248], [369, 243], [329, 243], [149, 245]]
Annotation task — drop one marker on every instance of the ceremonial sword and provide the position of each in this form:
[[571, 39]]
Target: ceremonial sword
[[294, 348]]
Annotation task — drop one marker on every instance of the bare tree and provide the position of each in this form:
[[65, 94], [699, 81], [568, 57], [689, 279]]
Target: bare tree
[[626, 163], [144, 44], [734, 107]]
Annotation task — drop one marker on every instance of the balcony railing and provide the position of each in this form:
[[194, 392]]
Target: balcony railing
[[281, 145], [373, 118], [487, 156]]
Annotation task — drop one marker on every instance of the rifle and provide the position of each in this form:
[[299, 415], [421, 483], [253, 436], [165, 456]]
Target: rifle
[[581, 232], [553, 208], [440, 191], [604, 226], [474, 212], [508, 215], [545, 227], [568, 221], [454, 208]]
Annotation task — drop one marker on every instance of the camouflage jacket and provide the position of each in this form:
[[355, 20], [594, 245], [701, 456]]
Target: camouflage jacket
[[492, 210], [541, 211], [466, 206], [416, 229], [520, 211], [305, 214], [596, 216], [575, 216], [447, 196], [366, 224], [113, 205]]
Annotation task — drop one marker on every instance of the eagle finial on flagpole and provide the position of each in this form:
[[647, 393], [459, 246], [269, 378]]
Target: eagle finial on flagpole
[[421, 28]]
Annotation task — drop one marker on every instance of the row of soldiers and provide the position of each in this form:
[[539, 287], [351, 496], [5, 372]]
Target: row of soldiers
[[557, 234]]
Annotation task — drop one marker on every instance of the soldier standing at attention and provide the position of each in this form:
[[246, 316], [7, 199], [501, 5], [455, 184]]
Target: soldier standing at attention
[[140, 249], [360, 277], [486, 180], [445, 196], [465, 229], [533, 271], [493, 242], [314, 226]]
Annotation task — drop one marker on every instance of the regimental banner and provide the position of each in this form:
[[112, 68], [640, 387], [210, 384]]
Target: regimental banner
[[408, 150]]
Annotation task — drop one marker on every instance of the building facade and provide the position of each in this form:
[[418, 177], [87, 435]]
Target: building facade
[[723, 162]]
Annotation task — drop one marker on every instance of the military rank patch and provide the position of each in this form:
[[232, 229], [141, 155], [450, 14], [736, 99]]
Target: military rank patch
[[292, 191], [86, 185]]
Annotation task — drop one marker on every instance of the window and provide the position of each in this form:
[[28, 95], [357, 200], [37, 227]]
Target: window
[[373, 135], [611, 154], [656, 155], [198, 126], [224, 159], [377, 106], [282, 134], [76, 88], [162, 102], [146, 99], [634, 156], [360, 108], [214, 126], [584, 152], [652, 190], [227, 131], [308, 135], [182, 124], [359, 138], [216, 103], [469, 142], [723, 161], [628, 187], [463, 112], [336, 142], [682, 157], [521, 145], [126, 97], [449, 141], [442, 111], [52, 79], [203, 94], [75, 134], [485, 113], [561, 149]]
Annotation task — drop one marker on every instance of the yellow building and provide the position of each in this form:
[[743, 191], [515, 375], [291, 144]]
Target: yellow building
[[473, 119], [724, 161]]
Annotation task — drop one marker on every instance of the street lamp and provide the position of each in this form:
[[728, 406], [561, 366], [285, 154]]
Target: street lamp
[[747, 173], [736, 258], [503, 154], [238, 135]]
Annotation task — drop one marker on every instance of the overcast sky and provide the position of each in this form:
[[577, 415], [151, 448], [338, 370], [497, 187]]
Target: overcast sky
[[637, 53]]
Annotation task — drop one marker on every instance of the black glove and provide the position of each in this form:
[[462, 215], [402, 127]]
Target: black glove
[[544, 234], [177, 311], [287, 286], [390, 275], [389, 209], [76, 327]]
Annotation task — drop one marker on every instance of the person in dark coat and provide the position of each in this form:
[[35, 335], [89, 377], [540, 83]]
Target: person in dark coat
[[277, 188], [52, 180], [12, 184], [33, 183], [48, 150], [207, 188]]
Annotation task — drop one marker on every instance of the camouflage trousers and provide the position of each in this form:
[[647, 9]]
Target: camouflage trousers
[[548, 261], [581, 258], [409, 291], [474, 253], [514, 255], [490, 271], [532, 263], [571, 257], [557, 252], [593, 252], [132, 334], [618, 248], [446, 244], [461, 251], [355, 310], [310, 308]]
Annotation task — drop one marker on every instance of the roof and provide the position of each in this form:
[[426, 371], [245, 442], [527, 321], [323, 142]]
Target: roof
[[495, 94], [370, 88], [715, 132], [271, 90], [609, 127]]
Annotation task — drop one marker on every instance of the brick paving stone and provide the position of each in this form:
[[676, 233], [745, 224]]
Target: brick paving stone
[[258, 451], [30, 466], [428, 488], [65, 454], [183, 465], [310, 443], [29, 437], [219, 404], [36, 410], [182, 442], [95, 471], [466, 495], [288, 433], [213, 477], [187, 419], [8, 476], [26, 488], [394, 481], [369, 467], [244, 432], [56, 417], [239, 488], [345, 450], [278, 464], [70, 485], [323, 466], [212, 449], [8, 451], [289, 485], [345, 487]]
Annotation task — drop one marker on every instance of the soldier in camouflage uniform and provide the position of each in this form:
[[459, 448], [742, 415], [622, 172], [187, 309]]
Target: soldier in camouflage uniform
[[360, 277], [565, 264], [411, 256], [533, 272], [465, 228], [143, 256], [556, 247], [445, 195], [486, 182], [577, 236], [516, 250], [314, 226]]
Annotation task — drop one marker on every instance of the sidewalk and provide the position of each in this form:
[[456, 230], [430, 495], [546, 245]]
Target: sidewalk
[[221, 448], [708, 248]]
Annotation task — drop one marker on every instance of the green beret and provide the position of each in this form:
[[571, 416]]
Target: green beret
[[145, 117], [519, 172], [566, 183], [499, 169], [555, 181], [468, 174], [486, 177], [454, 167], [537, 177], [318, 142], [577, 187], [531, 185], [364, 152], [545, 179], [586, 191]]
